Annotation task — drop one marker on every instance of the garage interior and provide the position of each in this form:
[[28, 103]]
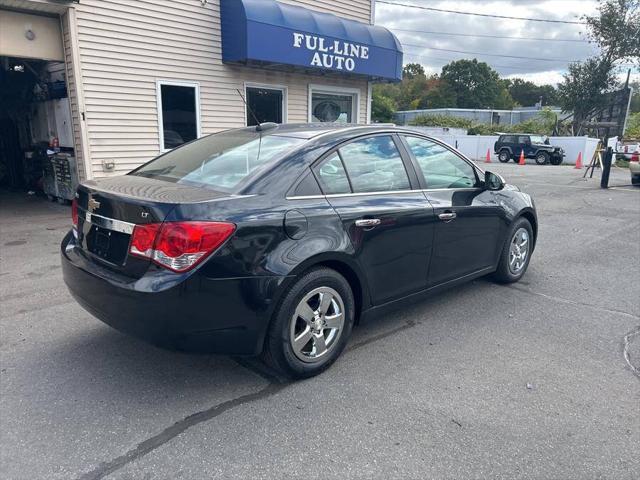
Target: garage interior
[[36, 134]]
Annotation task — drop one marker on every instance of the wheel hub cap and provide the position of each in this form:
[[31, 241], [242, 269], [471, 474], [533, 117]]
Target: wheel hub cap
[[518, 251], [316, 324]]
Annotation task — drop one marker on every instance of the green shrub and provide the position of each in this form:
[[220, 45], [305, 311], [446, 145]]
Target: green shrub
[[542, 125]]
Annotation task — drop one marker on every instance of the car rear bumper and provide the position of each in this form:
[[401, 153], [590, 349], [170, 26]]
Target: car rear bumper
[[194, 314]]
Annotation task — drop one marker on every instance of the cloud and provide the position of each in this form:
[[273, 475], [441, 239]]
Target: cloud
[[433, 49]]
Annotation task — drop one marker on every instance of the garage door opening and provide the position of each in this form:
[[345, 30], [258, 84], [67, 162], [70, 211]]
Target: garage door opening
[[37, 148]]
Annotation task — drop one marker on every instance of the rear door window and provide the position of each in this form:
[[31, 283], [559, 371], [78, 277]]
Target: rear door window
[[441, 167], [374, 164]]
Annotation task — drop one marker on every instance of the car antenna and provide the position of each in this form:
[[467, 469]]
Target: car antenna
[[258, 125]]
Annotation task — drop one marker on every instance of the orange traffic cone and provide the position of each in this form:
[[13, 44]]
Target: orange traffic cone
[[521, 161], [488, 160], [579, 161]]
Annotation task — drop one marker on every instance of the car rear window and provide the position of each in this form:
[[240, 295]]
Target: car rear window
[[220, 161]]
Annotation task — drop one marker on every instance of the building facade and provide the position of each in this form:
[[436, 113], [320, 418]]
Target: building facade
[[144, 76]]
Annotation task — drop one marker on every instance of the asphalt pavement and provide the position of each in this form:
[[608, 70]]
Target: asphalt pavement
[[538, 380]]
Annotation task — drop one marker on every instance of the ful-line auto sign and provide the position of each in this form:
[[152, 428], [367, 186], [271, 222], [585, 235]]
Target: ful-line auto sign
[[336, 54], [281, 36]]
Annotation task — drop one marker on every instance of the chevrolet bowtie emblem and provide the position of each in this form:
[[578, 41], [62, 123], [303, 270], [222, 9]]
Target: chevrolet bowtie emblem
[[92, 204]]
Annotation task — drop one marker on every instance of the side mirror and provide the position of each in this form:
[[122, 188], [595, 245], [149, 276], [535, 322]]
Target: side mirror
[[493, 181]]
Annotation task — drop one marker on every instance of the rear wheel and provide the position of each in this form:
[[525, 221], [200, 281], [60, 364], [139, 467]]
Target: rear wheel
[[312, 324], [542, 158], [504, 156], [516, 253]]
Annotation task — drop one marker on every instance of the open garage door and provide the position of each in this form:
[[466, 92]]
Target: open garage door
[[37, 147]]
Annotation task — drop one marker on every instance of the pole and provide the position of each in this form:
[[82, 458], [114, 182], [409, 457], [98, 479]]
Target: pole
[[606, 168]]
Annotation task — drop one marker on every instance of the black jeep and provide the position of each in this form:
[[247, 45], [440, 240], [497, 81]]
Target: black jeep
[[510, 146]]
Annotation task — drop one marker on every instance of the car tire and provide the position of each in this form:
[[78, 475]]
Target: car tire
[[556, 160], [635, 180], [542, 158], [504, 156], [324, 345], [508, 270]]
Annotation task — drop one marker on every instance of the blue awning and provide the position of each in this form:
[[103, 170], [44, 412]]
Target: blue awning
[[271, 33]]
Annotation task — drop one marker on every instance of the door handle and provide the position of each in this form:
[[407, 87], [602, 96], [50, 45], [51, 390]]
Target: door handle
[[447, 216], [368, 222]]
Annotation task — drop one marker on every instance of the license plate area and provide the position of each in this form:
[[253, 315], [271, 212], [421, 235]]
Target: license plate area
[[106, 239]]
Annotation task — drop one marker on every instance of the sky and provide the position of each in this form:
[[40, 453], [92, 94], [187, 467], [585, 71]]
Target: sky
[[431, 49]]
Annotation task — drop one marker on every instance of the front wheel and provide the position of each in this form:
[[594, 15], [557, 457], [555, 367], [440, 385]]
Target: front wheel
[[504, 156], [516, 253], [542, 158], [312, 324], [556, 160]]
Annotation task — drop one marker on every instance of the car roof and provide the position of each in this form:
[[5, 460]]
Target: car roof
[[311, 130]]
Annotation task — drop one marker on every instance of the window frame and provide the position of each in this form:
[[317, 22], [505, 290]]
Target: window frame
[[416, 166], [176, 83], [268, 86], [407, 163], [335, 90]]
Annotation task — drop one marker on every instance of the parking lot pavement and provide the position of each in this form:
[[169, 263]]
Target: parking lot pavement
[[534, 380]]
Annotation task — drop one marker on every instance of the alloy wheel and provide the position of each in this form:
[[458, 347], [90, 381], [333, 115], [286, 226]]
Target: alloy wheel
[[518, 251], [316, 324]]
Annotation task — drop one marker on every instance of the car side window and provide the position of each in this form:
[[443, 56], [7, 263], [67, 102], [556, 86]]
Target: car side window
[[523, 139], [332, 177], [374, 164], [440, 166], [509, 139]]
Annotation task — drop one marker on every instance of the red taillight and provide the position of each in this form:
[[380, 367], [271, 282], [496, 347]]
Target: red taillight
[[143, 238], [179, 246], [74, 212]]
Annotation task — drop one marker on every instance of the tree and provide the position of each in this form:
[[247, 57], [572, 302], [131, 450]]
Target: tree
[[474, 84], [584, 87], [382, 108], [634, 107], [615, 29], [413, 70], [528, 93]]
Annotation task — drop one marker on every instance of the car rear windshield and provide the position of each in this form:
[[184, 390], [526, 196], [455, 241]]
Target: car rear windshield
[[219, 161]]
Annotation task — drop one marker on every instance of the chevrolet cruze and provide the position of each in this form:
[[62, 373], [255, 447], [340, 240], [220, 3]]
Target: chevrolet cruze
[[276, 240]]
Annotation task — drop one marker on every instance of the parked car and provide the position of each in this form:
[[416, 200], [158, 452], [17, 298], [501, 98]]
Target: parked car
[[276, 240], [626, 150], [510, 146], [634, 168]]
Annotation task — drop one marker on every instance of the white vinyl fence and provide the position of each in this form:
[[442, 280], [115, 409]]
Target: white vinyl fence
[[475, 146]]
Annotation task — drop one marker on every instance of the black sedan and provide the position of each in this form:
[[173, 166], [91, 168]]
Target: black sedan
[[277, 239]]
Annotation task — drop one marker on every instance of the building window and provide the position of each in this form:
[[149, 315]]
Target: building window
[[178, 113], [265, 104], [333, 104]]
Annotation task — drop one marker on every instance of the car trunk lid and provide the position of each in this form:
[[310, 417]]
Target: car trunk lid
[[109, 209]]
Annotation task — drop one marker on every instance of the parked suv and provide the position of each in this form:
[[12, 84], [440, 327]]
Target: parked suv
[[534, 146]]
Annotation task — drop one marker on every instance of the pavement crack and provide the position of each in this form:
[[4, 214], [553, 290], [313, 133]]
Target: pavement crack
[[275, 386], [573, 302], [626, 341], [380, 336], [169, 433]]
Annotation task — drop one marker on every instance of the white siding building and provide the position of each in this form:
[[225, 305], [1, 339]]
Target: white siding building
[[143, 76]]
